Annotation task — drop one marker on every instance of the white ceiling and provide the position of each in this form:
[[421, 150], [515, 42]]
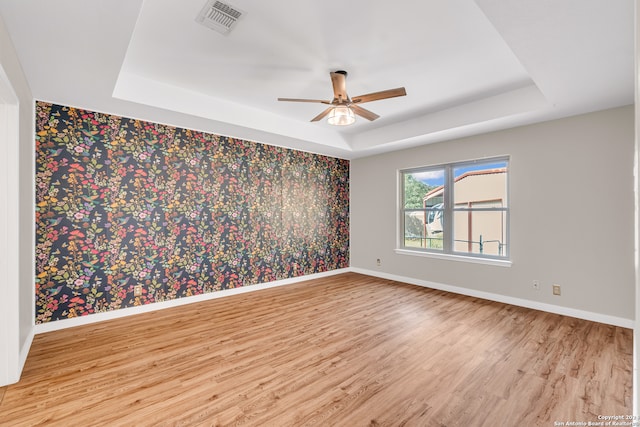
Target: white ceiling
[[469, 66]]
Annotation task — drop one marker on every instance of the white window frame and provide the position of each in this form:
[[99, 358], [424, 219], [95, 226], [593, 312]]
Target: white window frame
[[448, 252]]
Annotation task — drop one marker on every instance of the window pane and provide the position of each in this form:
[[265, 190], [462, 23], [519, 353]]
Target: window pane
[[476, 184], [480, 232], [424, 188], [417, 235]]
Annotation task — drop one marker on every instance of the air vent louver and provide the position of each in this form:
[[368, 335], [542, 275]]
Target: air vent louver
[[219, 16]]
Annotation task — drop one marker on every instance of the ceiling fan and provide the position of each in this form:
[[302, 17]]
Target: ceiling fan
[[342, 108]]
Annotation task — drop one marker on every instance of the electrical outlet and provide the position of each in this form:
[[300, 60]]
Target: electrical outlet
[[536, 285], [137, 290], [556, 290], [378, 262]]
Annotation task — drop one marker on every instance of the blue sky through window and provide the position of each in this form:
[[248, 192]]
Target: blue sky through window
[[436, 177]]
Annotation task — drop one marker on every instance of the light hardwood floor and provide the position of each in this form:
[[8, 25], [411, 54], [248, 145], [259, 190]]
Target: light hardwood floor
[[349, 350]]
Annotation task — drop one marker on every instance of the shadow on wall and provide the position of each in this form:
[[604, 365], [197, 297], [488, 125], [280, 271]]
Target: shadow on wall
[[124, 205]]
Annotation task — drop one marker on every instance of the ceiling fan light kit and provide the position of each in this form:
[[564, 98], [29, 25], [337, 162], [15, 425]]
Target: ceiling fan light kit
[[341, 116], [343, 109]]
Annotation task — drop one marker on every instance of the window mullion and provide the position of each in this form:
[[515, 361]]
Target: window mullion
[[448, 210]]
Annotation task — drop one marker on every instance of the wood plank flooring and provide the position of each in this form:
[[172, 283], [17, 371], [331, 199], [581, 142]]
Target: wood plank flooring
[[348, 350]]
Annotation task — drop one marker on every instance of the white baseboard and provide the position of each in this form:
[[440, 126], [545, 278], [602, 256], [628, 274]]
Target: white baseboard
[[24, 351], [100, 317], [15, 374], [550, 308], [130, 311]]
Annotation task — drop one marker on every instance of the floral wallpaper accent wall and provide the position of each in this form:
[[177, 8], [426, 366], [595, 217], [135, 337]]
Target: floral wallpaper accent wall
[[123, 202]]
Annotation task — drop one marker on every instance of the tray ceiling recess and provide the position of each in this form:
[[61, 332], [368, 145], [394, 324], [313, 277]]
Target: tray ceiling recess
[[468, 66]]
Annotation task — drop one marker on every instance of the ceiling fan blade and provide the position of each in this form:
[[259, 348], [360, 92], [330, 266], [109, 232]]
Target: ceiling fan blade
[[322, 115], [364, 113], [339, 82], [390, 93], [318, 101]]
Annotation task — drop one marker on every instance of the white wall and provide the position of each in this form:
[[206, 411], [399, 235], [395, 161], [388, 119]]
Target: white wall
[[17, 284], [572, 214]]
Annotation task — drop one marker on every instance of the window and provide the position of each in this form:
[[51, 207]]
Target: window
[[457, 209]]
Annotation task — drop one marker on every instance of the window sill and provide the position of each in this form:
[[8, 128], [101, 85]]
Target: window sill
[[449, 257]]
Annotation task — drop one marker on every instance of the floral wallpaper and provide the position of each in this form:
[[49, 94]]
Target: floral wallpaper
[[122, 203]]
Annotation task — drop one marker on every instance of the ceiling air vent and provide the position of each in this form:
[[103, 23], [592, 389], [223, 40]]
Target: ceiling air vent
[[219, 16]]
